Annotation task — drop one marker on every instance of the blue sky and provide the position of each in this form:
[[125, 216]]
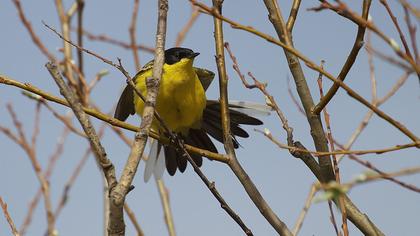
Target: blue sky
[[283, 180]]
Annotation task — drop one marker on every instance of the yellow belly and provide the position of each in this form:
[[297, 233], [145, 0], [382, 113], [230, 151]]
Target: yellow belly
[[181, 99]]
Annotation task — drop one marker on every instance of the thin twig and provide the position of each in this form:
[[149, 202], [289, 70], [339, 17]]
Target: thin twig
[[8, 217], [21, 140], [36, 129], [413, 10], [365, 178], [369, 114], [66, 120], [342, 9], [133, 32], [351, 59], [397, 26], [385, 175], [182, 34], [31, 32], [68, 55], [390, 59], [48, 172], [332, 218], [304, 212], [80, 8], [337, 152], [133, 219], [75, 173], [164, 198], [335, 162], [107, 39]]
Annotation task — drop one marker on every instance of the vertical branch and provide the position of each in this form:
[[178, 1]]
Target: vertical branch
[[132, 30], [164, 197], [65, 28], [233, 162], [293, 15], [314, 120], [117, 195], [223, 80], [327, 174], [80, 7], [335, 162]]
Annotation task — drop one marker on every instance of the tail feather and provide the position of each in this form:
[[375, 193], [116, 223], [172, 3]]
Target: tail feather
[[160, 164], [213, 109], [151, 161], [181, 160], [170, 159], [211, 125]]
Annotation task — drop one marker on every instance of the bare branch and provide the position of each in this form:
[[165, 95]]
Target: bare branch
[[233, 163], [8, 217]]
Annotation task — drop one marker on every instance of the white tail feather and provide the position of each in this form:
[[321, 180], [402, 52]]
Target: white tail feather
[[151, 161], [160, 165], [251, 108]]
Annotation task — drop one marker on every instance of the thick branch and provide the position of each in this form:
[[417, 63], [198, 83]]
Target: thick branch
[[361, 221], [243, 177], [317, 131], [117, 195]]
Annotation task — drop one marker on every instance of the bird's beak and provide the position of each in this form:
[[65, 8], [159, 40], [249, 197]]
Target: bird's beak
[[194, 55]]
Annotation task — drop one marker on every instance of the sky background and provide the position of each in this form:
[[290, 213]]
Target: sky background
[[283, 180]]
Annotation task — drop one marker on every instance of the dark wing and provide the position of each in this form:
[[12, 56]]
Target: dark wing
[[211, 125], [211, 122], [125, 105], [205, 77]]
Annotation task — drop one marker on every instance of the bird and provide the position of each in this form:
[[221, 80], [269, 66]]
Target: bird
[[184, 108]]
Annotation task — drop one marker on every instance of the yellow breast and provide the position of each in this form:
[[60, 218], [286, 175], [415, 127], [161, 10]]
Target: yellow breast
[[181, 99]]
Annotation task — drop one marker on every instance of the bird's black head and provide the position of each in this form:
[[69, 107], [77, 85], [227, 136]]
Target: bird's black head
[[174, 55]]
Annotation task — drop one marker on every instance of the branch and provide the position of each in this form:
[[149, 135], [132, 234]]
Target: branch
[[314, 120], [21, 140], [31, 32], [107, 39], [108, 119], [164, 198], [344, 11], [351, 58], [293, 15], [312, 66], [99, 152], [233, 163], [8, 217], [117, 195], [181, 35], [132, 31]]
